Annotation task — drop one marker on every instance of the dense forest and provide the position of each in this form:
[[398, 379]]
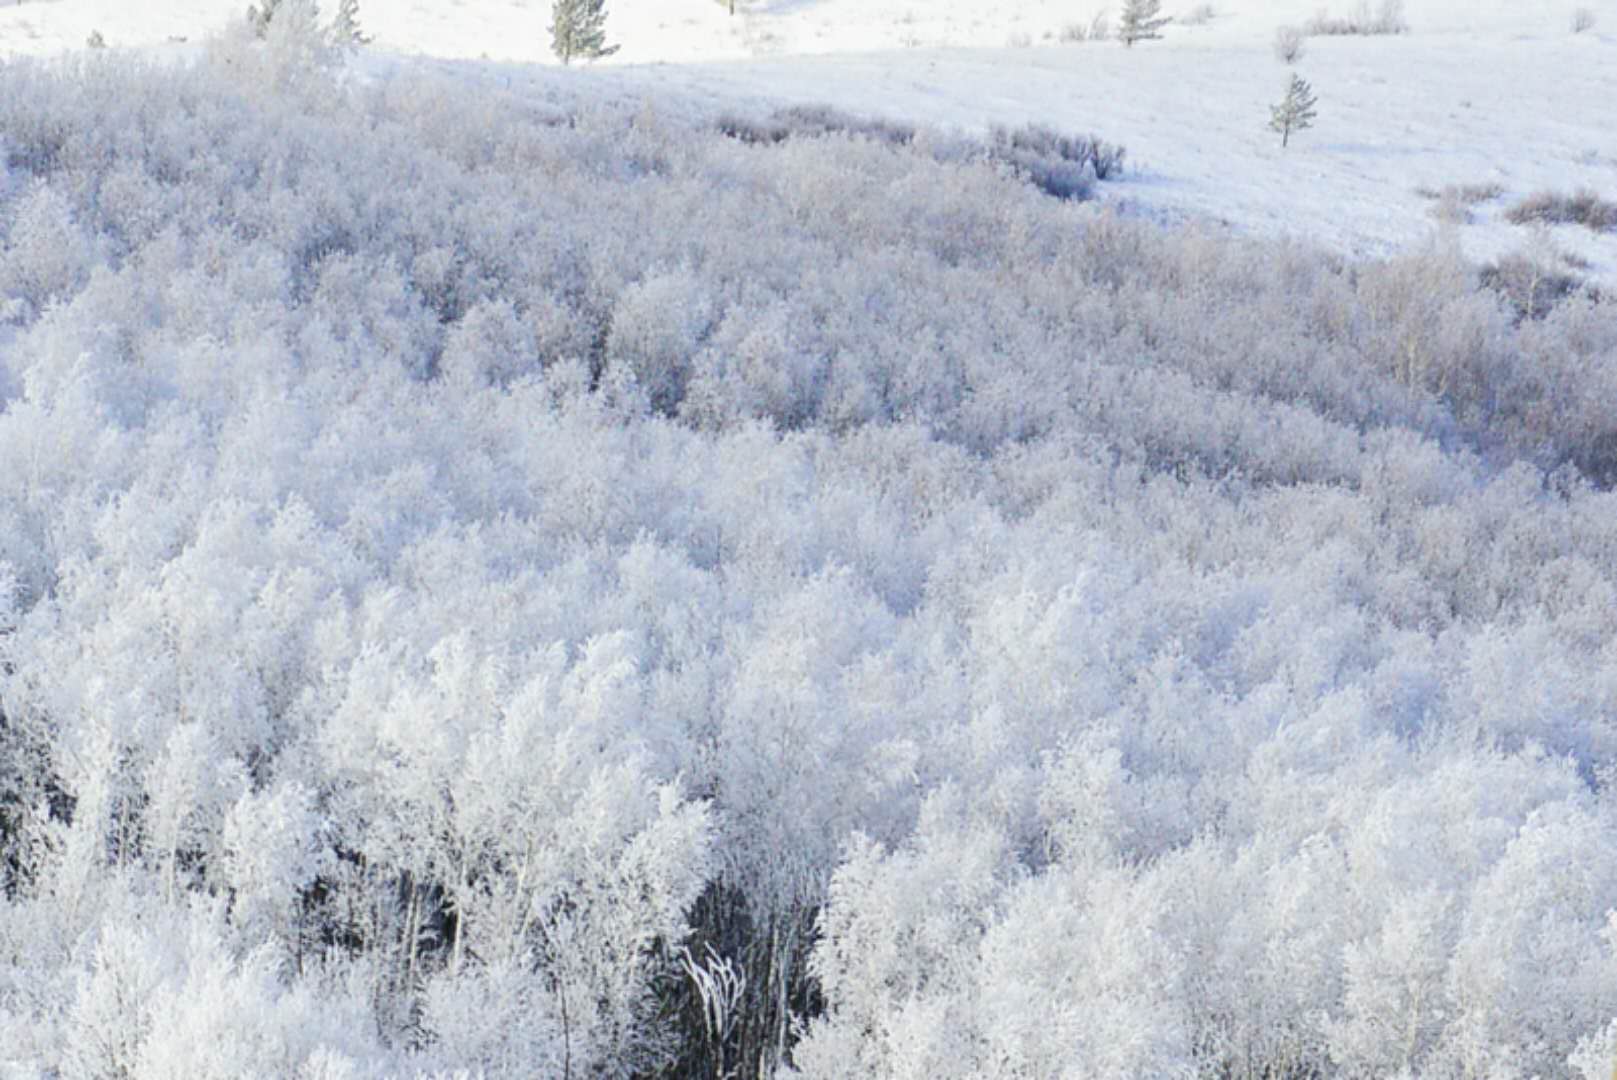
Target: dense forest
[[508, 587]]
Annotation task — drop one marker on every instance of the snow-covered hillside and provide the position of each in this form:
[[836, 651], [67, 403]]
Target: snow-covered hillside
[[1493, 94], [505, 572]]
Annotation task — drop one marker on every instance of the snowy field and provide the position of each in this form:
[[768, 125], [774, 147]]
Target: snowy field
[[1496, 93]]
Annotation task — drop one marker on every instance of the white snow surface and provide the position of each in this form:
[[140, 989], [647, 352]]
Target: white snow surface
[[1478, 92]]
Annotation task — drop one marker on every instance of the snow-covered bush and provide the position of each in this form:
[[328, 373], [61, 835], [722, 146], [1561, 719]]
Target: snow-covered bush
[[1532, 284], [458, 553], [1583, 207], [1387, 18], [1063, 166], [1059, 165], [809, 120], [1098, 28], [1288, 44], [294, 42], [1452, 203]]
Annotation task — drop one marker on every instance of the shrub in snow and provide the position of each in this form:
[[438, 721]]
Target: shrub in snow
[[301, 17], [47, 254], [492, 344], [1388, 18], [1057, 165], [282, 45], [1583, 19], [1033, 146], [1530, 282], [752, 131], [1288, 44], [1200, 15], [811, 120], [1062, 166], [1453, 202], [1098, 28], [1584, 207], [1596, 1056], [1450, 209], [658, 326]]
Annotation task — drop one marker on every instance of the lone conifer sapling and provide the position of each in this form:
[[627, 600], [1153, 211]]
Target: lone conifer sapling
[[578, 30], [1294, 113], [1141, 21], [259, 18], [345, 31]]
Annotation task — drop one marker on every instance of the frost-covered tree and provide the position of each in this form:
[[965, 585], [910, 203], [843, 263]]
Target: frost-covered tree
[[1295, 112], [578, 30], [1141, 20], [45, 253], [285, 45], [449, 581]]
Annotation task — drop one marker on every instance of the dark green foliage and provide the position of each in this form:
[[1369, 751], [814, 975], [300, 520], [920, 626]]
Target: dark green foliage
[[578, 30]]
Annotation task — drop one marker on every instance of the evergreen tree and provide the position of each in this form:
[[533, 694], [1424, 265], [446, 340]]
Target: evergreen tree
[[1141, 21], [578, 29], [1294, 113], [345, 29], [261, 17]]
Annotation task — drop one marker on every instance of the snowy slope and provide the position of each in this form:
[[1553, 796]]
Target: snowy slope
[[1492, 92], [463, 549]]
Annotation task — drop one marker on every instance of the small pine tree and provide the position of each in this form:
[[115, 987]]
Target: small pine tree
[[259, 18], [1141, 21], [1296, 112], [345, 29], [578, 30], [262, 14]]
